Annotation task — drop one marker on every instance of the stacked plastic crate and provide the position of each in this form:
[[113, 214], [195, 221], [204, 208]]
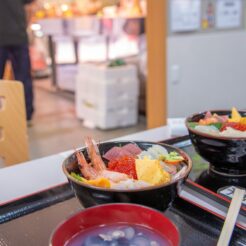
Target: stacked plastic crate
[[107, 97]]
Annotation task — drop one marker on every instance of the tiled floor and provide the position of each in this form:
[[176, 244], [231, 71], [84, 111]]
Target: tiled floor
[[55, 127]]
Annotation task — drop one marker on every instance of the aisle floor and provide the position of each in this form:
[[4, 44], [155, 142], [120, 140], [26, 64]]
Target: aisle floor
[[55, 127]]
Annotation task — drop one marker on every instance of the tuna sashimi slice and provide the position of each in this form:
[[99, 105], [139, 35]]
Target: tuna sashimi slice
[[132, 148], [208, 115], [112, 153], [221, 118], [115, 153], [125, 152]]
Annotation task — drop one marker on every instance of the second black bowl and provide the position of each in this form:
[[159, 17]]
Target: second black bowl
[[159, 197], [226, 155]]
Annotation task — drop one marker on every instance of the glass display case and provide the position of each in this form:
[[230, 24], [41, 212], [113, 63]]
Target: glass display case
[[90, 39]]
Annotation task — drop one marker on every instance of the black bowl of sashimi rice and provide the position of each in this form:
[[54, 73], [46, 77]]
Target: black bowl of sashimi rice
[[219, 136], [139, 172]]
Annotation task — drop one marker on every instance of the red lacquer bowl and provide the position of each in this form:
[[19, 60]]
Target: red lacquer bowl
[[116, 213]]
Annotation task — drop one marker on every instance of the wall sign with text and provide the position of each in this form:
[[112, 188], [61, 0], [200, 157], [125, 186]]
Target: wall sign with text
[[185, 15], [229, 14]]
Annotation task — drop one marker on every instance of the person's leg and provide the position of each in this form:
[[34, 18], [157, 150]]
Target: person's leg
[[3, 60], [20, 60]]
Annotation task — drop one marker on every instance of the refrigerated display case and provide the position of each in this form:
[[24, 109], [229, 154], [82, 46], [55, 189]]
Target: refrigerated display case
[[89, 39]]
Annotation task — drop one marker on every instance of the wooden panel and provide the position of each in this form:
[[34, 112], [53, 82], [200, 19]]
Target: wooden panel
[[14, 141], [8, 72], [157, 64]]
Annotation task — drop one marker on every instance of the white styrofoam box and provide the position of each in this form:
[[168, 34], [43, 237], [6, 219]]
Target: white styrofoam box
[[66, 76], [97, 91], [105, 91], [107, 105], [106, 74], [101, 83], [88, 111], [86, 107], [120, 117], [107, 97], [51, 26]]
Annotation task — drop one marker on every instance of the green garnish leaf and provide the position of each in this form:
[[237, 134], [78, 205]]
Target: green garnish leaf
[[116, 63], [192, 124], [217, 125], [171, 156], [174, 156], [77, 177]]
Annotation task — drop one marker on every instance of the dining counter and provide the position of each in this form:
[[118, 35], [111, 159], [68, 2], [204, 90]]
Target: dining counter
[[38, 175], [35, 197]]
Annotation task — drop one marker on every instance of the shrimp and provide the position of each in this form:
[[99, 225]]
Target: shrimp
[[87, 171], [94, 154], [90, 172], [114, 176]]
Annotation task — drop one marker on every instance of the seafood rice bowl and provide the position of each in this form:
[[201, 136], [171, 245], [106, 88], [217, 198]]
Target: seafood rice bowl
[[138, 172], [219, 136], [221, 125]]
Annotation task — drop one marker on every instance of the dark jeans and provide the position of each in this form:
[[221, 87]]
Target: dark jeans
[[20, 60]]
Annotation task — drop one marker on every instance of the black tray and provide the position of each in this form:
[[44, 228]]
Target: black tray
[[196, 226], [31, 220]]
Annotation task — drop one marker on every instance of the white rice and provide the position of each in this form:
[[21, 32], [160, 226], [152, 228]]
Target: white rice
[[229, 132], [129, 184]]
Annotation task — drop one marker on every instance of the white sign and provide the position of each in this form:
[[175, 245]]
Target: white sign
[[229, 13], [185, 15]]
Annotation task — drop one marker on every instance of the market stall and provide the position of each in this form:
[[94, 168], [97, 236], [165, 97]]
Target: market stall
[[108, 36]]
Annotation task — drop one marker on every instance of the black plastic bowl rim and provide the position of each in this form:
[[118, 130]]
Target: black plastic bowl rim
[[207, 135], [188, 162]]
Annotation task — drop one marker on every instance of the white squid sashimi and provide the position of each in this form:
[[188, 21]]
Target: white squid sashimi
[[154, 152], [157, 151], [172, 169], [145, 154], [180, 173], [207, 129]]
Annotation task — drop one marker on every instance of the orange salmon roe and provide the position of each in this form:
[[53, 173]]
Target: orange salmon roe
[[125, 164], [234, 125]]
